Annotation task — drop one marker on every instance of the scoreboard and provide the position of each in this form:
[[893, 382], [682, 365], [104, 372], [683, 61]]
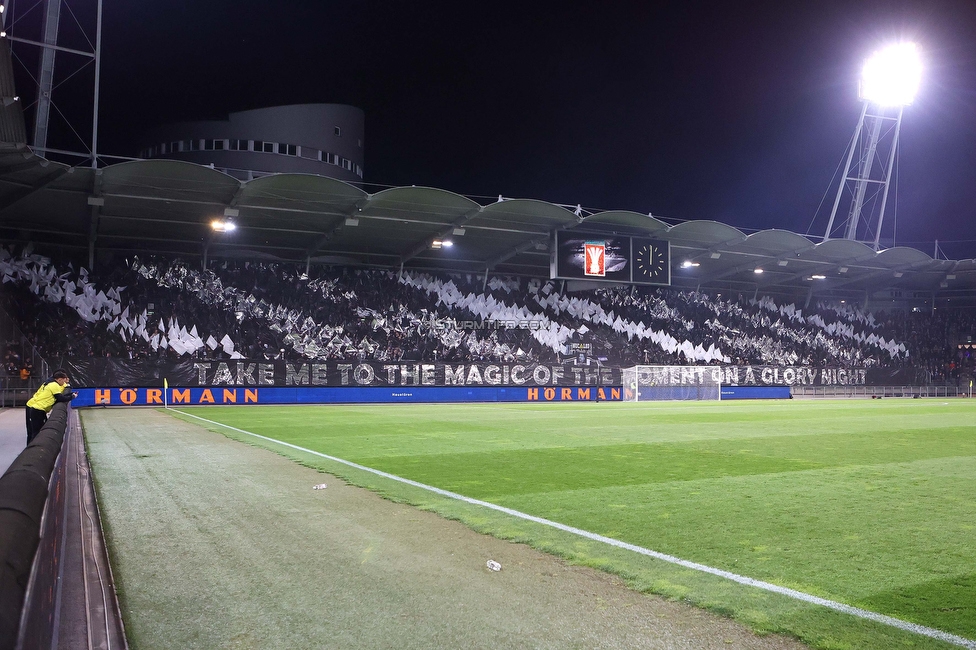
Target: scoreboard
[[614, 258]]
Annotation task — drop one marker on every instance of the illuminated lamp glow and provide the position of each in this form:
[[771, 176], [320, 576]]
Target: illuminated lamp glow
[[819, 277], [892, 76], [687, 264], [758, 271], [223, 225]]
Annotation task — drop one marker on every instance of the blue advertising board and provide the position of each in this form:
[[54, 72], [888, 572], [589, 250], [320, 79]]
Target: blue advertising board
[[755, 392], [203, 395]]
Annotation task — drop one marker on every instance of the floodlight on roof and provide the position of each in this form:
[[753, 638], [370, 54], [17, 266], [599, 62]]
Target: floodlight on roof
[[223, 225], [891, 76]]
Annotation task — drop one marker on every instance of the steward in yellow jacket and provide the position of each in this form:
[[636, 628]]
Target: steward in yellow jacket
[[51, 392]]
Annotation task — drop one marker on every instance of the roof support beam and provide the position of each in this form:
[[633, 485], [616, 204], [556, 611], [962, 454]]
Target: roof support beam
[[788, 255], [521, 248], [97, 202], [716, 248], [236, 199], [421, 246], [830, 266], [31, 162], [880, 273], [336, 228], [18, 195]]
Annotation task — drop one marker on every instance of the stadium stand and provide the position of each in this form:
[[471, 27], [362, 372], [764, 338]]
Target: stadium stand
[[164, 308]]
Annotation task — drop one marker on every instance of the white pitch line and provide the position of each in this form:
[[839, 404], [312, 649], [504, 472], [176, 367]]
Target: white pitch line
[[767, 586]]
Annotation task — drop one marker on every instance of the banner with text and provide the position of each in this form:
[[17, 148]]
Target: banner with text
[[113, 372], [244, 373]]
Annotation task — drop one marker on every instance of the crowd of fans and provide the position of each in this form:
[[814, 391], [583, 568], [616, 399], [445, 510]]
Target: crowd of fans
[[156, 308], [15, 363]]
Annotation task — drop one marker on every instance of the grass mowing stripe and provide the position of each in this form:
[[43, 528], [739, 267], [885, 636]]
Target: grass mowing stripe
[[744, 580]]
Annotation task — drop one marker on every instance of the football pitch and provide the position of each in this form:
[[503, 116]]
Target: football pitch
[[867, 503]]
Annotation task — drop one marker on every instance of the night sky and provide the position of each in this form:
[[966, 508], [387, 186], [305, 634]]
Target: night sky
[[738, 112]]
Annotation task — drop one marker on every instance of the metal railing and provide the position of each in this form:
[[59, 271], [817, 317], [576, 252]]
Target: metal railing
[[841, 392], [15, 391]]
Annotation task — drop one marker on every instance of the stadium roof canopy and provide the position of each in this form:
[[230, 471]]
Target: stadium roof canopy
[[166, 207]]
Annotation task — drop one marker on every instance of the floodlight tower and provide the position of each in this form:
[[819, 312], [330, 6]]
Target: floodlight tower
[[889, 81], [18, 24]]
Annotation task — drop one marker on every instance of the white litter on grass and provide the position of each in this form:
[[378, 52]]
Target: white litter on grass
[[320, 486], [494, 566]]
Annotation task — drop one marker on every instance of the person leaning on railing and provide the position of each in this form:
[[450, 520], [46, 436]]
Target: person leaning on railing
[[51, 392]]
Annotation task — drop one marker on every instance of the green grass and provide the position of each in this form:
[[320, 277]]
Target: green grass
[[865, 502]]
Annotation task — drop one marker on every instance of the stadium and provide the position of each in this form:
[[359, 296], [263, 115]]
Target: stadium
[[308, 415]]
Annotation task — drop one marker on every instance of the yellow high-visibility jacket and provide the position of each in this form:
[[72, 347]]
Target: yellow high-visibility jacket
[[46, 396]]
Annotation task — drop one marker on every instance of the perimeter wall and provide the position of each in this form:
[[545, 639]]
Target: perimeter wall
[[27, 491]]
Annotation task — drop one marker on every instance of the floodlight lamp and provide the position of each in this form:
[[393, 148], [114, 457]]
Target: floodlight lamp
[[819, 277], [891, 76], [447, 243], [758, 271], [223, 225]]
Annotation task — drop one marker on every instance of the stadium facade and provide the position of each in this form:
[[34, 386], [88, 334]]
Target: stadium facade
[[323, 139]]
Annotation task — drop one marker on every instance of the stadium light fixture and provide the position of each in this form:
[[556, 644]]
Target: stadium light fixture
[[437, 244], [891, 76], [758, 271], [819, 277], [223, 225], [687, 264]]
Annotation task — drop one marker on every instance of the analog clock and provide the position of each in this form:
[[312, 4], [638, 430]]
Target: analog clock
[[652, 260]]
